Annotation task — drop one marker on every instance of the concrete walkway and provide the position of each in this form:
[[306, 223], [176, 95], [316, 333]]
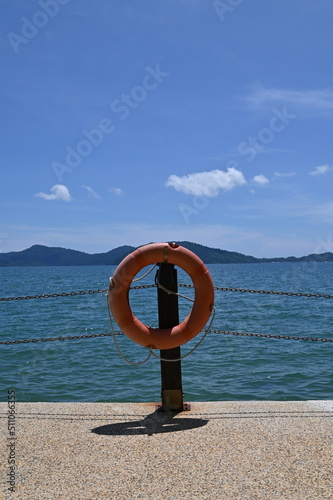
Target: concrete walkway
[[217, 450]]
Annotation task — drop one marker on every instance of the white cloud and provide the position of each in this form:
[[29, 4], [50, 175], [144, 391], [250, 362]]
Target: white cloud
[[260, 179], [321, 99], [321, 170], [207, 183], [59, 192], [91, 192], [116, 191]]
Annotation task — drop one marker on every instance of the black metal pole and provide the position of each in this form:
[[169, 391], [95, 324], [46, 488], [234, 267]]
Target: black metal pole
[[171, 376]]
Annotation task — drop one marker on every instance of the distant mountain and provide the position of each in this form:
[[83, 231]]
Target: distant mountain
[[313, 257], [40, 255], [216, 256]]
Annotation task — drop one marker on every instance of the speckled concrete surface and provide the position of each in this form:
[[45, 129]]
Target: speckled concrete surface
[[218, 450]]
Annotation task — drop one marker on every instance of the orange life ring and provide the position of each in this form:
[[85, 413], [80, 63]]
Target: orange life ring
[[157, 338]]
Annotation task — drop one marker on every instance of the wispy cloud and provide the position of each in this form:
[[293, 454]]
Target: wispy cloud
[[103, 237], [116, 191], [91, 192], [59, 193], [321, 170], [325, 210], [320, 99], [277, 175], [207, 183]]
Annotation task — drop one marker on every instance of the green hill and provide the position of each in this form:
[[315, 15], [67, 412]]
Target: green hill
[[40, 255], [216, 256]]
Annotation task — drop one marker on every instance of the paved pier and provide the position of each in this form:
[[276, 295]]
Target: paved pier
[[217, 450]]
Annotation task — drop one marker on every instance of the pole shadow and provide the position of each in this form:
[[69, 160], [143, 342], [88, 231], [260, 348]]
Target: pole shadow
[[155, 423]]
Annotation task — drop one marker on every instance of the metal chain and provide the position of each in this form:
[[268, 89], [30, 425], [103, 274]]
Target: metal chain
[[271, 336], [224, 332], [271, 292], [67, 294], [137, 287], [69, 337], [49, 295]]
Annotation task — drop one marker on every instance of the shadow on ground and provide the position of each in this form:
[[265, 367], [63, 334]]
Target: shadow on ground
[[155, 423]]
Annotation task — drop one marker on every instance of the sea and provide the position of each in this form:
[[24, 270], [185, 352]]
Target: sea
[[223, 367]]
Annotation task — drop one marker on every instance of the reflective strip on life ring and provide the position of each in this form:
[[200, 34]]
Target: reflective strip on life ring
[[157, 338]]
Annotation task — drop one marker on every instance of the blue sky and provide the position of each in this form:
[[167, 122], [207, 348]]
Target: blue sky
[[126, 122]]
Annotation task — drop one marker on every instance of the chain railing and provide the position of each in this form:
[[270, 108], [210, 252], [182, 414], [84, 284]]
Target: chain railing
[[67, 337], [51, 295], [218, 288], [185, 285], [271, 336], [271, 292], [222, 332]]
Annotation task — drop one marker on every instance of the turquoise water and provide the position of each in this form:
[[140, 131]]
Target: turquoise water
[[222, 368]]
